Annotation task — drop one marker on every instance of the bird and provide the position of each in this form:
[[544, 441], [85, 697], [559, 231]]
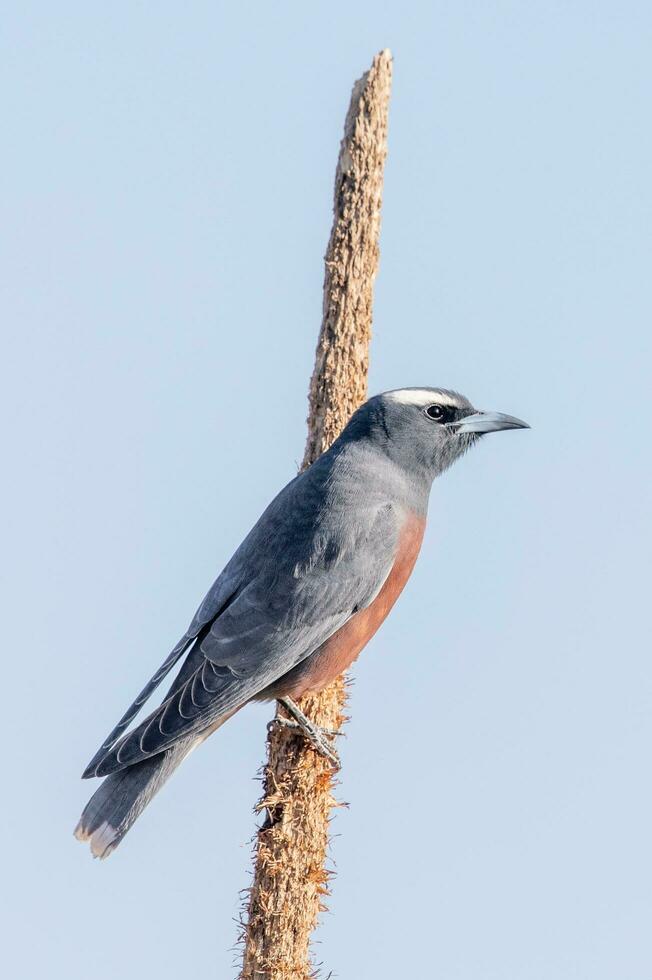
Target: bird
[[299, 599]]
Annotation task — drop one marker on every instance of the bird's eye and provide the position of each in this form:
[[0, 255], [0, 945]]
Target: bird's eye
[[436, 412]]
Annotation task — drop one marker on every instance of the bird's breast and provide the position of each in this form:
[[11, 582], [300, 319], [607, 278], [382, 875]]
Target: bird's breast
[[343, 647]]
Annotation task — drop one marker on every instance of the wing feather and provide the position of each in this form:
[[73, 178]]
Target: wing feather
[[305, 568]]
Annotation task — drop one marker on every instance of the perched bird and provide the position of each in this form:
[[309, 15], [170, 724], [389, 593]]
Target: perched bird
[[302, 595]]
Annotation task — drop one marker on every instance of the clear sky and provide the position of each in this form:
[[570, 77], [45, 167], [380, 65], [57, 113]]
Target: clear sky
[[166, 196]]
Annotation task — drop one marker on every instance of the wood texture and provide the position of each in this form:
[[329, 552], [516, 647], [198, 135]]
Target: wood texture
[[290, 880]]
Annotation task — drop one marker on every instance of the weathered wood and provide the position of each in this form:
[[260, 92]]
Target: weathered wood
[[290, 876]]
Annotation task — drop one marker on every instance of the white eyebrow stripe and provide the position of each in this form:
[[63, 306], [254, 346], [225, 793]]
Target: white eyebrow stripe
[[422, 396]]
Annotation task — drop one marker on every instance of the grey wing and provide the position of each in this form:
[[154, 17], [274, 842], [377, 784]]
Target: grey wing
[[221, 593], [299, 597]]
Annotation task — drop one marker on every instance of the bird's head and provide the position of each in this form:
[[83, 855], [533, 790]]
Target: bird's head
[[426, 429]]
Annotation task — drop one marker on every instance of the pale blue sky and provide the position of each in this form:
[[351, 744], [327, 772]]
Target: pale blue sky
[[166, 194]]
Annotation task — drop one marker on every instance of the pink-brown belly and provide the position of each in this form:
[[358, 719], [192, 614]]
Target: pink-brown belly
[[343, 647]]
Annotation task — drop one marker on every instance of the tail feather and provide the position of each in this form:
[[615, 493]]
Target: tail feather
[[123, 796]]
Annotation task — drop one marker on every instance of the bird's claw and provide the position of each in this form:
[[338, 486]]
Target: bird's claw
[[289, 723], [316, 736]]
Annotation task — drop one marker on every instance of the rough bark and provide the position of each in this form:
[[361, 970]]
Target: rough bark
[[290, 877]]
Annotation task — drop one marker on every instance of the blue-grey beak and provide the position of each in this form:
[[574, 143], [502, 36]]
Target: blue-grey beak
[[488, 422]]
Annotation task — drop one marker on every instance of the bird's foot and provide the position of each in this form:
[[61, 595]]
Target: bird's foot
[[316, 736], [289, 723]]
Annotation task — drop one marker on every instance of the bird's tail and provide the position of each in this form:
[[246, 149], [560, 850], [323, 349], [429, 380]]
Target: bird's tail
[[123, 796]]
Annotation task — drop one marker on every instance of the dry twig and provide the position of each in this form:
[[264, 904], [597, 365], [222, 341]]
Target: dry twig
[[290, 877]]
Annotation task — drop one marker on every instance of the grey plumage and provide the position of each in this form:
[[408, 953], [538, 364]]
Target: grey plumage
[[320, 553], [123, 796]]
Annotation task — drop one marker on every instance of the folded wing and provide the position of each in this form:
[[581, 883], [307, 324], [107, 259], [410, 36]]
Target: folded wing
[[296, 579]]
